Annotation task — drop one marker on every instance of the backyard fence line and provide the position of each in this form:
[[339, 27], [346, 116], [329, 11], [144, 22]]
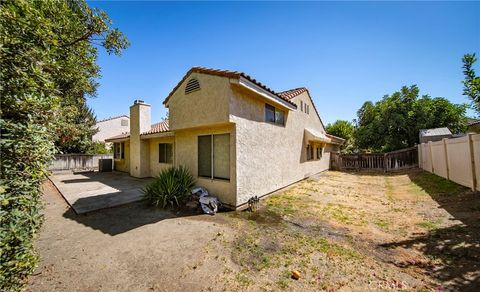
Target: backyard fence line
[[391, 161], [456, 159], [77, 161]]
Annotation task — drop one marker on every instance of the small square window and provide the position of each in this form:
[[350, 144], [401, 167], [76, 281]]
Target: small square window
[[124, 123]]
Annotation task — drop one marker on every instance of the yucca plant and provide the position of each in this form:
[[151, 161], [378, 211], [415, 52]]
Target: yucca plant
[[171, 187]]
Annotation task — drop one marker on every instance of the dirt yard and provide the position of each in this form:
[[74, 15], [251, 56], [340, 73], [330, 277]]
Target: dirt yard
[[341, 231]]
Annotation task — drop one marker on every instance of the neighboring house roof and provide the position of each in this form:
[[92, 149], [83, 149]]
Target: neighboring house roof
[[160, 127], [113, 118], [228, 74], [338, 139], [435, 132]]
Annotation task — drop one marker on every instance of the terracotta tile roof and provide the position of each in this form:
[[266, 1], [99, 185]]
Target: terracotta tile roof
[[289, 94], [228, 74], [473, 123], [161, 127], [113, 118], [158, 128]]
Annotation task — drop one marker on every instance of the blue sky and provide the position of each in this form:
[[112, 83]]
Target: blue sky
[[344, 52]]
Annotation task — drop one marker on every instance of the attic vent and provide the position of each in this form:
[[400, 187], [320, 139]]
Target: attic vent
[[192, 85]]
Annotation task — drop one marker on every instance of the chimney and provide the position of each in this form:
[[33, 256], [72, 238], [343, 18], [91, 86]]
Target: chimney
[[139, 118], [140, 122]]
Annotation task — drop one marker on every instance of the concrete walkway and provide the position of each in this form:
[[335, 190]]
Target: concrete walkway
[[90, 191]]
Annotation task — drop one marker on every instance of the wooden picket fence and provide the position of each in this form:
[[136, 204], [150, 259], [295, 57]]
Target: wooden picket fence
[[391, 161]]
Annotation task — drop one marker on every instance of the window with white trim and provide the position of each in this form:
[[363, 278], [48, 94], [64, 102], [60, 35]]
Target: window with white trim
[[214, 156], [119, 150], [165, 153]]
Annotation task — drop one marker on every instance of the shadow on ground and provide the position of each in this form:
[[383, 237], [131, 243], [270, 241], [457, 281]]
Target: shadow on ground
[[90, 191], [457, 246], [114, 221]]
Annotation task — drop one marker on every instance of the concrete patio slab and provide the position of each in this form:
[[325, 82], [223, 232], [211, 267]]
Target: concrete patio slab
[[90, 191]]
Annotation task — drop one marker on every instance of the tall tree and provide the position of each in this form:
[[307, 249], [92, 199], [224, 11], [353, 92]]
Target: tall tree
[[394, 122], [471, 84], [48, 56], [343, 129]]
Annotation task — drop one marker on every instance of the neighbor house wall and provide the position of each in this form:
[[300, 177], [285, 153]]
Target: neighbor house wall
[[110, 128], [186, 153], [271, 156]]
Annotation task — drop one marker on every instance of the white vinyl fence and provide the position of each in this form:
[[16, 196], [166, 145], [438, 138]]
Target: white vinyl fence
[[456, 159], [77, 161]]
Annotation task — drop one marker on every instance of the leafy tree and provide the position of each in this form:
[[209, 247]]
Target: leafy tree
[[99, 148], [343, 129], [471, 84], [48, 56], [395, 121]]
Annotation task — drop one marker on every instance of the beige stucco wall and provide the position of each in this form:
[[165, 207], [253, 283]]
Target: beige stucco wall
[[110, 128], [123, 164], [140, 121], [186, 153], [203, 107], [270, 156], [155, 166]]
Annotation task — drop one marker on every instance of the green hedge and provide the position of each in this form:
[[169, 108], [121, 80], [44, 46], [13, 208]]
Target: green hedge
[[46, 61]]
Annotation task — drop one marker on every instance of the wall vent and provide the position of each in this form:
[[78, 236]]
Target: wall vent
[[192, 85]]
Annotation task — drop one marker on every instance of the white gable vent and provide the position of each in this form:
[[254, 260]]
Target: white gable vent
[[192, 85]]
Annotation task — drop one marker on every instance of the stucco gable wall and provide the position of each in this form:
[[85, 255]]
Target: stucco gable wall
[[203, 107], [269, 156]]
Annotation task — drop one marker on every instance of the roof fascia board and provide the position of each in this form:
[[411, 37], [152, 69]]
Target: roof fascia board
[[157, 135], [269, 96]]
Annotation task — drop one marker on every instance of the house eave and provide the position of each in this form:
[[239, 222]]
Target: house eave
[[242, 81], [157, 135]]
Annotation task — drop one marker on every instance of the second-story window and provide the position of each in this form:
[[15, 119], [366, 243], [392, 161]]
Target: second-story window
[[274, 115]]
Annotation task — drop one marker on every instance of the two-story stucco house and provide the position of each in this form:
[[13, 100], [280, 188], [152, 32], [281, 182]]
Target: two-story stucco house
[[238, 137], [110, 127]]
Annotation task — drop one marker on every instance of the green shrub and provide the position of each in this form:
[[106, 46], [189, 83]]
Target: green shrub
[[47, 61], [171, 187], [99, 148]]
